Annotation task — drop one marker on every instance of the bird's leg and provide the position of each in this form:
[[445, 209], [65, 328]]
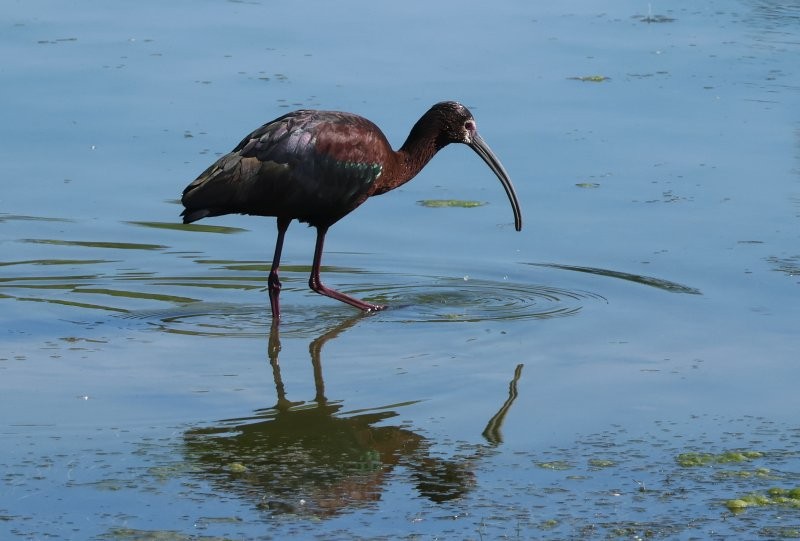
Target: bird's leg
[[273, 281], [315, 283]]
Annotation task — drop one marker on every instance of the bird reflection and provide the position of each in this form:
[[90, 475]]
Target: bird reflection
[[311, 458]]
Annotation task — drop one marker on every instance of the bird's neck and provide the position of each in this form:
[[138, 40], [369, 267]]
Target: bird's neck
[[416, 152]]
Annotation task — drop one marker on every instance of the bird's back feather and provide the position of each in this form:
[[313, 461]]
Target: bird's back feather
[[315, 166]]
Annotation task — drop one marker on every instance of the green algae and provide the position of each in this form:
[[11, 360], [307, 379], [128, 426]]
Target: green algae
[[199, 228], [130, 534], [776, 496], [758, 473], [97, 244], [447, 203], [693, 460], [548, 524], [557, 465], [598, 463], [591, 78], [236, 467]]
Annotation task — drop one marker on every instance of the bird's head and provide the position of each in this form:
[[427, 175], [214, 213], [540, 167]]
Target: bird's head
[[454, 121], [457, 125]]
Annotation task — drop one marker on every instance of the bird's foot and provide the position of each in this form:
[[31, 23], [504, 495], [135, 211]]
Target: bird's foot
[[364, 306]]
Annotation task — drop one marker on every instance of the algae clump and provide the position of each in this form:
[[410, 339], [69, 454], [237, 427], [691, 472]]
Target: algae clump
[[443, 203], [775, 496]]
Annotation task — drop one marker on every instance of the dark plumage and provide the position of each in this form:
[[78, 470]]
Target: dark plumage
[[317, 166]]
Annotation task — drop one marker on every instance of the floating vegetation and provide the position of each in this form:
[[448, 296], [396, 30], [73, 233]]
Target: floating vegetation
[[93, 244], [693, 460], [441, 203], [669, 196], [780, 497], [598, 463], [649, 18], [761, 473], [588, 185], [129, 534], [591, 78], [236, 467], [57, 40], [548, 524], [56, 262], [557, 465], [6, 217], [190, 227]]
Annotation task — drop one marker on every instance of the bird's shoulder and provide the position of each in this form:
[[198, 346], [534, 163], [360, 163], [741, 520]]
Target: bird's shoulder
[[308, 134]]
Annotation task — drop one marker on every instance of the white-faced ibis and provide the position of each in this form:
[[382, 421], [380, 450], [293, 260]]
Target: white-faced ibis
[[317, 166]]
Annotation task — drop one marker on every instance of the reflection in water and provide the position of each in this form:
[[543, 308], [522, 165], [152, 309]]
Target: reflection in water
[[313, 459], [492, 431], [651, 281]]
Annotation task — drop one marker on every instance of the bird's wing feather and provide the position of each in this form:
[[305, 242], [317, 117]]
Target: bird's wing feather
[[310, 165]]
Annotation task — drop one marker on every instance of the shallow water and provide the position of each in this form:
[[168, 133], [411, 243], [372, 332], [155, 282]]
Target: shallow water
[[545, 384]]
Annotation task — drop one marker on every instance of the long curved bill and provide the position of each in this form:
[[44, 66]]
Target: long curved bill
[[482, 149]]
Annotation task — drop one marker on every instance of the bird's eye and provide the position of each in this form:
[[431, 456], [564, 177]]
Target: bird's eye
[[470, 125]]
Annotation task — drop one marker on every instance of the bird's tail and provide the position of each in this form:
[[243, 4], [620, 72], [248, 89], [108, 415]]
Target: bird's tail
[[210, 194], [190, 216]]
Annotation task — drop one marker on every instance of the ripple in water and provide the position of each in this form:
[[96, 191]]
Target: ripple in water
[[445, 300], [472, 300], [210, 319]]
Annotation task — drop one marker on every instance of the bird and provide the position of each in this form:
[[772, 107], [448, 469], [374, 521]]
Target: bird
[[317, 166]]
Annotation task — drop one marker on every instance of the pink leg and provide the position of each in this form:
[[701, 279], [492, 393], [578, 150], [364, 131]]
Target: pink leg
[[315, 283], [273, 282]]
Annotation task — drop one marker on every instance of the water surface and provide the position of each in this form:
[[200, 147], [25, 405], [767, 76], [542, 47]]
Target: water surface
[[624, 367]]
